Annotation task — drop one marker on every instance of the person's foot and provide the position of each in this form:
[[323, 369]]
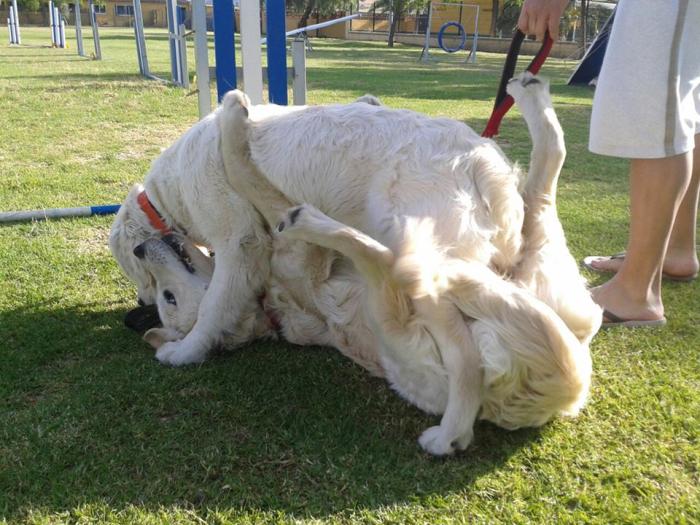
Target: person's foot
[[677, 267], [623, 306]]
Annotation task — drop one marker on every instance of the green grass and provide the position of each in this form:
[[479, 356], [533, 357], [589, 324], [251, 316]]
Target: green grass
[[94, 430]]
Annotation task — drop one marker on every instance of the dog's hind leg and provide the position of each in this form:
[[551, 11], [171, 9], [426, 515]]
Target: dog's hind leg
[[534, 367], [547, 267], [241, 172], [461, 359], [437, 338]]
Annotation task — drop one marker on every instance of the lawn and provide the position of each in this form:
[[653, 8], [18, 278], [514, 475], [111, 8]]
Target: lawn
[[94, 430]]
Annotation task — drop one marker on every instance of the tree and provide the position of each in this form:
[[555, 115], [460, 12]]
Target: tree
[[495, 6], [398, 9], [508, 18], [29, 5], [323, 7]]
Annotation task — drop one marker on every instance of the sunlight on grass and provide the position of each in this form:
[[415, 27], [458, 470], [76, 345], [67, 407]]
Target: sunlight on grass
[[93, 430]]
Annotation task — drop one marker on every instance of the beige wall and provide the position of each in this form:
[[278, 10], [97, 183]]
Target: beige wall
[[441, 15]]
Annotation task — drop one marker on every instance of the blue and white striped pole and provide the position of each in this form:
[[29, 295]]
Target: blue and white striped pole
[[57, 213], [224, 47], [276, 51]]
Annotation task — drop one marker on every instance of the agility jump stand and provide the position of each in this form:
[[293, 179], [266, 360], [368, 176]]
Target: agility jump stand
[[434, 9], [13, 25], [58, 26], [178, 45], [251, 53], [176, 35], [95, 30], [79, 30]]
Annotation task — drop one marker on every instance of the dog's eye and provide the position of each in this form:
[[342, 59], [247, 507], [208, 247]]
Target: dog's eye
[[169, 297]]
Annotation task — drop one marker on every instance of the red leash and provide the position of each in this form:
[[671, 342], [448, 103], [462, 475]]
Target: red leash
[[503, 100]]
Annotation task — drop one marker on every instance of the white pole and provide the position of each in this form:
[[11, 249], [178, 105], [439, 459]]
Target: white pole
[[476, 37], [140, 39], [299, 64], [52, 23], [14, 216], [18, 35], [62, 27], [250, 50], [182, 57], [175, 60], [201, 56], [11, 26], [78, 30], [95, 31], [426, 46]]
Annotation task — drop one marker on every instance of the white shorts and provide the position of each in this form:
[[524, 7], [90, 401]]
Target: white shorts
[[647, 100]]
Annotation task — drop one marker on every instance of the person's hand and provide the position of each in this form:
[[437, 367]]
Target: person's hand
[[538, 16]]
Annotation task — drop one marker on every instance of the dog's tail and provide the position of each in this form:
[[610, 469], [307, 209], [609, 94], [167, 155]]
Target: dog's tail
[[241, 172], [534, 366]]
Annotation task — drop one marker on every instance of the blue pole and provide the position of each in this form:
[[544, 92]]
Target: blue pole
[[224, 48], [276, 51]]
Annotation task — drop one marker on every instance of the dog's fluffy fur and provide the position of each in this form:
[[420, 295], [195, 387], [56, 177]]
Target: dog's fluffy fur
[[474, 304]]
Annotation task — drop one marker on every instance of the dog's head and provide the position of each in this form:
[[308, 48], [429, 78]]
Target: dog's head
[[181, 273], [129, 229]]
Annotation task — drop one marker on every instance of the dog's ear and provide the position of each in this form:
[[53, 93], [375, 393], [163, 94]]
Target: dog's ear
[[157, 337]]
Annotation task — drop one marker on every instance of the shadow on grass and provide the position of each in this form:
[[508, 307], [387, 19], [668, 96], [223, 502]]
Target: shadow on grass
[[89, 416]]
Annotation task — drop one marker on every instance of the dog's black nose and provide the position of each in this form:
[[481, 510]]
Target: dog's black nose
[[140, 251]]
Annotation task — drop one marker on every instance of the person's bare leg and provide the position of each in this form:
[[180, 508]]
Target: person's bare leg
[[681, 256], [657, 187]]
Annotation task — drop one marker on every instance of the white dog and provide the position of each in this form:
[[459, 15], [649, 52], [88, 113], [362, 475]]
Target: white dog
[[453, 335]]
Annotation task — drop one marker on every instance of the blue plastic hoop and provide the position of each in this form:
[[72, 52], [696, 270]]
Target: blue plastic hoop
[[462, 41]]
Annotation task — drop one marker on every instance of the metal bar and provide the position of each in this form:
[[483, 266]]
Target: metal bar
[[224, 48], [316, 26], [299, 75], [201, 56], [57, 213], [276, 51], [250, 50]]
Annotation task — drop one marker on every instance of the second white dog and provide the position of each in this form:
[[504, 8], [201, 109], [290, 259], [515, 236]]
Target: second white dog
[[451, 333]]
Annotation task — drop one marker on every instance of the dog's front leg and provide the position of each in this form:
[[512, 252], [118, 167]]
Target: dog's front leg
[[462, 362], [239, 273]]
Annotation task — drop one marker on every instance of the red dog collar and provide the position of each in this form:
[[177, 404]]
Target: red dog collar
[[155, 218]]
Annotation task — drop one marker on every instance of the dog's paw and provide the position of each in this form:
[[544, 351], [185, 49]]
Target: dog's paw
[[179, 353], [291, 218], [301, 222], [437, 442]]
